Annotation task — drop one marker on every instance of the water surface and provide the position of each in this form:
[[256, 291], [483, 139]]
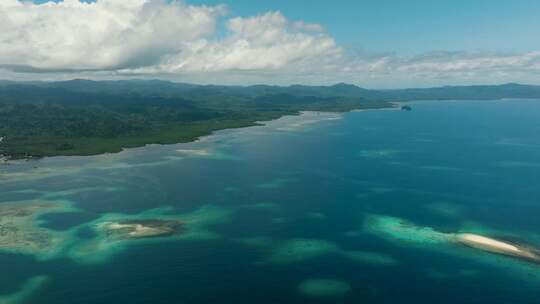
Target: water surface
[[321, 208]]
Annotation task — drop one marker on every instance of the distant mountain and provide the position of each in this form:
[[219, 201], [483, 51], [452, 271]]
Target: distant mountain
[[510, 90], [216, 93], [81, 117]]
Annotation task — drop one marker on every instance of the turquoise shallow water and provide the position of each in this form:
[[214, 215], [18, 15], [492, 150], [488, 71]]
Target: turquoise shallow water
[[321, 208]]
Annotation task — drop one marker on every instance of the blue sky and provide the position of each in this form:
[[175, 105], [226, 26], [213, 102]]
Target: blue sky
[[414, 25], [411, 26], [372, 43]]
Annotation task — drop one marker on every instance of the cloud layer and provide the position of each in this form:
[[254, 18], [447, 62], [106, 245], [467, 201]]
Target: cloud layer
[[172, 39], [104, 35], [264, 42]]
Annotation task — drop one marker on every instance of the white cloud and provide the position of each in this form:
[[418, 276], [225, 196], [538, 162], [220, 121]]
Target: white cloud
[[265, 42], [174, 40], [107, 34], [450, 62]]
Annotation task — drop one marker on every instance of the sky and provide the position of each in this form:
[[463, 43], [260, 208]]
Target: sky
[[371, 43]]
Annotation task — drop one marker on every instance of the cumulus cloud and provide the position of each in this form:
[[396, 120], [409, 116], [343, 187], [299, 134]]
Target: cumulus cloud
[[154, 36], [175, 40], [264, 42], [102, 35]]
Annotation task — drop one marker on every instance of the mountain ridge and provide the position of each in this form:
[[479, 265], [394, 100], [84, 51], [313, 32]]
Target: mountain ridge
[[85, 117], [175, 89]]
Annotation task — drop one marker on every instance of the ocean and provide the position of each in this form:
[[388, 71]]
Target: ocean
[[360, 207]]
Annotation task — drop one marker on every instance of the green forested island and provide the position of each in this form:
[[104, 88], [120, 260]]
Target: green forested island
[[83, 117]]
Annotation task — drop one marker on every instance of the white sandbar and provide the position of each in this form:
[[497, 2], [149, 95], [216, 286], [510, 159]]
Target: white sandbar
[[482, 241], [496, 246]]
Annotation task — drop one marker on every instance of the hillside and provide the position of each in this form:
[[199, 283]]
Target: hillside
[[83, 117]]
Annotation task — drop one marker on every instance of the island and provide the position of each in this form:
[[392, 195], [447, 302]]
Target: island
[[144, 228], [397, 229], [499, 247]]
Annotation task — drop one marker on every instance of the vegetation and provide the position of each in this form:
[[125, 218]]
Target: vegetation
[[45, 120], [82, 117]]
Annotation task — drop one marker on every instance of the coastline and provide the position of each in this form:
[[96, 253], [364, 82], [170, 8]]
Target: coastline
[[178, 136]]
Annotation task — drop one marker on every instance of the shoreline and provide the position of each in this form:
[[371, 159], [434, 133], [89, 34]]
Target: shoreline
[[176, 136], [9, 160]]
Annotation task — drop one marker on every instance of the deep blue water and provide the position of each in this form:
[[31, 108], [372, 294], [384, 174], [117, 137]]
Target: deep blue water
[[445, 165]]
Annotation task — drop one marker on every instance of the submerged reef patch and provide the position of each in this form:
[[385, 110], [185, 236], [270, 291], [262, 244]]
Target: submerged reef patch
[[31, 171], [115, 232], [20, 230], [28, 289], [298, 250], [324, 288], [398, 229], [201, 153], [304, 250], [21, 233], [487, 250], [302, 121]]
